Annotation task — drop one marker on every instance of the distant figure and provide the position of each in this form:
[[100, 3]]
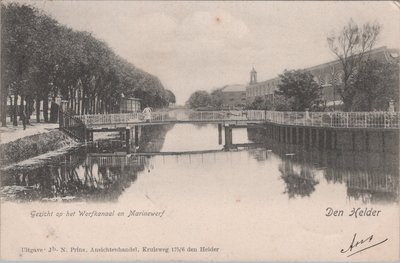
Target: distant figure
[[147, 114], [391, 106]]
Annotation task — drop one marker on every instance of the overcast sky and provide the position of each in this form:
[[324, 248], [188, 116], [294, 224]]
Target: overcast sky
[[202, 45]]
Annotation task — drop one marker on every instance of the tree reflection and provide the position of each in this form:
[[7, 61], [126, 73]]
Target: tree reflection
[[153, 137], [100, 178], [297, 183], [369, 176]]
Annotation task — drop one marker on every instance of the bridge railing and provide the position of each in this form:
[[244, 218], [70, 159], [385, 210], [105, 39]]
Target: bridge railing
[[71, 125], [116, 161], [318, 119], [109, 118], [118, 118], [337, 119]]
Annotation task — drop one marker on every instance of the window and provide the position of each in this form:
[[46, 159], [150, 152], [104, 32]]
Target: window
[[327, 79], [338, 79]]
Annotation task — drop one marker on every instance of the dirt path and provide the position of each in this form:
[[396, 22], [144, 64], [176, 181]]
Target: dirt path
[[12, 133]]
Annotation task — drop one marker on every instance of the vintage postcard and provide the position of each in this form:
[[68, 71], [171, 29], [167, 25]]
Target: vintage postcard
[[200, 131]]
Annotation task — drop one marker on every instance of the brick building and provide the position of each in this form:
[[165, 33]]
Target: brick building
[[234, 95], [328, 75]]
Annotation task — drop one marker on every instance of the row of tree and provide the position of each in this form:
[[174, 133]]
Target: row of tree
[[203, 99], [41, 59]]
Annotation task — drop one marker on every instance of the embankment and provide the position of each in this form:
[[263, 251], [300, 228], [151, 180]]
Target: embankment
[[34, 145]]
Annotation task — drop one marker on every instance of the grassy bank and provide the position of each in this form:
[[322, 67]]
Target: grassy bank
[[34, 145]]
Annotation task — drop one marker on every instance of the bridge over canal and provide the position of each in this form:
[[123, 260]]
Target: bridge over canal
[[320, 129]]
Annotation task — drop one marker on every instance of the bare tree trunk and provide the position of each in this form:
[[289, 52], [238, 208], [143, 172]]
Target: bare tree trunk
[[75, 101], [46, 108], [3, 107], [21, 108], [83, 103], [29, 109], [89, 100], [79, 101], [15, 110], [10, 109], [71, 100], [37, 109]]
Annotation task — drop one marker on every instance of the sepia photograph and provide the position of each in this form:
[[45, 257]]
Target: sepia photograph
[[199, 130]]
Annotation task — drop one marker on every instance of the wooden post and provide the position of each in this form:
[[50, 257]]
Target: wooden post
[[219, 133], [87, 135], [366, 141], [310, 141], [291, 134], [324, 139], [91, 136], [136, 136], [127, 139], [297, 135], [304, 136], [228, 137], [287, 134], [317, 137], [333, 139], [272, 131]]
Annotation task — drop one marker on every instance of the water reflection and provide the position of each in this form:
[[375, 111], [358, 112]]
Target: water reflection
[[298, 182], [76, 176], [86, 175], [368, 176]]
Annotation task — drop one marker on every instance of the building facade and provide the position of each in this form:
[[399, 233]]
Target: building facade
[[130, 105], [264, 89], [234, 95], [328, 75]]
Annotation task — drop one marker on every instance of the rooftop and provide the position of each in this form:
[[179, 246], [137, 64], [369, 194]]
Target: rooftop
[[234, 87]]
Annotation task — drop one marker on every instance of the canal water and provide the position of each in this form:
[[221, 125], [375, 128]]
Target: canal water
[[285, 172], [276, 194]]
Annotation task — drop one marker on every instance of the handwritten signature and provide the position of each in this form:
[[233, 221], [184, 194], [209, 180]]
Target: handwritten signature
[[357, 244]]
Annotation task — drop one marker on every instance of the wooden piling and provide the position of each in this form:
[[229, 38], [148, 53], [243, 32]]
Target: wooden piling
[[127, 139], [136, 136], [228, 136], [286, 134], [87, 135], [333, 139], [219, 133]]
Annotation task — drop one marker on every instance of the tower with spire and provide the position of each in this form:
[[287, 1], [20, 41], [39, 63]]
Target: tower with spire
[[253, 76]]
